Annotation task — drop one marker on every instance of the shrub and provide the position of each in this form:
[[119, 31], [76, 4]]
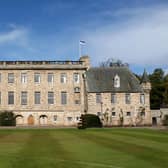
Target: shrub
[[165, 120], [88, 121], [7, 118]]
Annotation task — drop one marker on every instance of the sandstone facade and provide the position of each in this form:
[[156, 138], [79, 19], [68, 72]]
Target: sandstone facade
[[64, 97]]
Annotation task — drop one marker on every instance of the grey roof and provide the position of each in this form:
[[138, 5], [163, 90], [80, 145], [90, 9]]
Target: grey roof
[[145, 77], [101, 80]]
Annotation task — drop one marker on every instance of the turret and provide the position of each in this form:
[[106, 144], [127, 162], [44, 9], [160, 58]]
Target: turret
[[145, 82]]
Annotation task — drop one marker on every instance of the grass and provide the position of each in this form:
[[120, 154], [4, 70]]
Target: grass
[[91, 148]]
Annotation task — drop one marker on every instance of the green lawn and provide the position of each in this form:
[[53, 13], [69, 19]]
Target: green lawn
[[91, 148]]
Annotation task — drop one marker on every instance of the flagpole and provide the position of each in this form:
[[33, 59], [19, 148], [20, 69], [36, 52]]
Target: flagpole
[[81, 43]]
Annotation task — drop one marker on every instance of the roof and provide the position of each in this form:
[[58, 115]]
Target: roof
[[102, 80], [145, 77]]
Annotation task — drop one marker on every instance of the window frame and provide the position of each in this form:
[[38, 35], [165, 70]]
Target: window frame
[[23, 77], [37, 97], [127, 98], [24, 98], [11, 98], [113, 98], [77, 90], [63, 97], [11, 78], [98, 98], [76, 77], [128, 114], [55, 118], [50, 97], [63, 78], [113, 114], [37, 77], [50, 77], [142, 98], [69, 119]]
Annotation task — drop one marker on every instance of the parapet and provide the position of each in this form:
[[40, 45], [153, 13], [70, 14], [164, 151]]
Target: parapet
[[42, 65]]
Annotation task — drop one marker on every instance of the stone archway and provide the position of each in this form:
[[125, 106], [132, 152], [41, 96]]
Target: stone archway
[[19, 120], [30, 120], [43, 120]]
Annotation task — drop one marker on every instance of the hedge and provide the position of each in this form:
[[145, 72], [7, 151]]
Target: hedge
[[7, 118], [88, 121]]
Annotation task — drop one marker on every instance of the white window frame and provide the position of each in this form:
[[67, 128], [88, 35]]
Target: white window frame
[[116, 81], [63, 78], [142, 98], [50, 77], [37, 98], [113, 98], [77, 90], [76, 77], [11, 78], [63, 98], [24, 98], [11, 98], [37, 78], [127, 98], [51, 97], [23, 77]]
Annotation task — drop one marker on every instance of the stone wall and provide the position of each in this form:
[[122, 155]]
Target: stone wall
[[57, 109], [105, 109]]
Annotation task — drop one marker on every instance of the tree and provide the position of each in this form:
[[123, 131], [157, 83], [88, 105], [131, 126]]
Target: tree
[[110, 62], [157, 76], [159, 92]]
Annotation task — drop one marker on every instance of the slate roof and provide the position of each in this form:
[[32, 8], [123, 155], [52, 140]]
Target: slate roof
[[145, 77], [102, 80]]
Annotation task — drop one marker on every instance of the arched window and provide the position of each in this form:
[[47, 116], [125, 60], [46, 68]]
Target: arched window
[[116, 81], [77, 90]]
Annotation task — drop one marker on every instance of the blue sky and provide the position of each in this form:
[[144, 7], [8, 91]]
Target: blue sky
[[135, 31]]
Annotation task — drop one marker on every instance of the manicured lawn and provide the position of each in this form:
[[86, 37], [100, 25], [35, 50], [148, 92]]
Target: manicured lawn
[[91, 148]]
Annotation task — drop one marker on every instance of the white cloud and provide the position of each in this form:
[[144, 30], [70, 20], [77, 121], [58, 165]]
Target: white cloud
[[141, 39], [17, 36]]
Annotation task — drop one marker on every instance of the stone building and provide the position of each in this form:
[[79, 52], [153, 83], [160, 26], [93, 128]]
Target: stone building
[[58, 92], [158, 116], [118, 97]]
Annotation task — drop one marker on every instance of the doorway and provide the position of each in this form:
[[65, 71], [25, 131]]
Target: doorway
[[154, 121], [30, 120], [43, 120]]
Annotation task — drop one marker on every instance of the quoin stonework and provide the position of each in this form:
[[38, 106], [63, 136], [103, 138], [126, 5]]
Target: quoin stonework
[[56, 93]]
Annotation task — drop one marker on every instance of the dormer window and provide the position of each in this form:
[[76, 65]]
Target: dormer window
[[116, 81]]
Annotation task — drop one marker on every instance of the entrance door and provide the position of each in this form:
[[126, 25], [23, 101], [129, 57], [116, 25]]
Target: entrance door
[[154, 121], [43, 120], [30, 120], [19, 120]]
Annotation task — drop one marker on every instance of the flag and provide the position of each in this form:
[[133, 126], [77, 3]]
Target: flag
[[82, 42]]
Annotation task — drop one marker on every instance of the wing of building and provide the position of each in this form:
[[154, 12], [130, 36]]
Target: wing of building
[[57, 92]]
